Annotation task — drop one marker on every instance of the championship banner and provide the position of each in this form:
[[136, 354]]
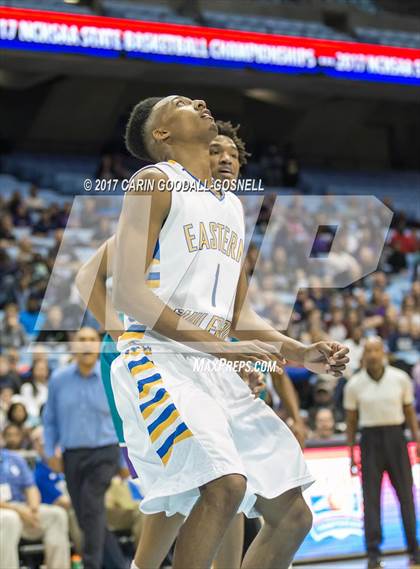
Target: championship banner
[[100, 36]]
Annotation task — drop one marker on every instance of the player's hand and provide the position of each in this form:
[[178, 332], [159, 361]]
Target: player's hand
[[299, 430], [255, 381], [56, 464], [326, 357], [251, 351]]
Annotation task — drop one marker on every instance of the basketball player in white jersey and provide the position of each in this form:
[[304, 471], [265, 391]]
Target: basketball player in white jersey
[[201, 443], [227, 156]]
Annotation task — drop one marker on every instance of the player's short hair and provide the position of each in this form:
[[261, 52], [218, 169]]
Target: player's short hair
[[135, 135], [226, 128]]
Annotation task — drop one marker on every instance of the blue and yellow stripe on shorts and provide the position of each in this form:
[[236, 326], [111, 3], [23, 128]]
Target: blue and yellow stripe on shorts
[[163, 421]]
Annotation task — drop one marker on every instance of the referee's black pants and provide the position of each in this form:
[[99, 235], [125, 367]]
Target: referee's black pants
[[88, 475], [384, 449]]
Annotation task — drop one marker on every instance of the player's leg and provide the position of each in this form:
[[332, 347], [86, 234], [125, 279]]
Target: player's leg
[[202, 533], [157, 536], [287, 520], [180, 442], [275, 467], [230, 552]]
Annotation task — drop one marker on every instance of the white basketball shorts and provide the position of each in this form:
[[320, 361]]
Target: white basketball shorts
[[185, 428]]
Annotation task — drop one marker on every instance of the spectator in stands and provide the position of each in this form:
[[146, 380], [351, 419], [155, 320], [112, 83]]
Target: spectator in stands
[[62, 216], [8, 378], [403, 340], [6, 394], [13, 357], [26, 252], [58, 238], [415, 293], [44, 224], [322, 394], [18, 415], [13, 436], [6, 228], [8, 278], [28, 318], [53, 327], [39, 352], [324, 424], [34, 393], [111, 168], [336, 328], [355, 343], [320, 299], [410, 310], [88, 216], [21, 217], [12, 333], [52, 486], [14, 202], [34, 202], [405, 238], [397, 259], [380, 399], [77, 418], [22, 515]]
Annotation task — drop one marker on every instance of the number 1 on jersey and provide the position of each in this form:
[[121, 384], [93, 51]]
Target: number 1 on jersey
[[216, 280]]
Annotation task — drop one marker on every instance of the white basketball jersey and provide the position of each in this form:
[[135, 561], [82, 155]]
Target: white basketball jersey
[[198, 257]]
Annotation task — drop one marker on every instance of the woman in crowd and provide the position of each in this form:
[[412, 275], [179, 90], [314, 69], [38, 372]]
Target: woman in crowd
[[34, 393]]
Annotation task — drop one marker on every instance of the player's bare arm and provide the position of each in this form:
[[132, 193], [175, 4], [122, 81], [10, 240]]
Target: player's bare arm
[[289, 398], [91, 284], [319, 357]]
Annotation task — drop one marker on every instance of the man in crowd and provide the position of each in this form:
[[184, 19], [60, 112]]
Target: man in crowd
[[380, 399], [22, 515], [324, 425], [13, 437], [77, 418], [7, 377]]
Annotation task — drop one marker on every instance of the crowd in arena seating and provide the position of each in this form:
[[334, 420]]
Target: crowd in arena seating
[[386, 302]]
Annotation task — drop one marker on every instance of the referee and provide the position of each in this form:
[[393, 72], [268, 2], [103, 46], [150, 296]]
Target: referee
[[380, 399]]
